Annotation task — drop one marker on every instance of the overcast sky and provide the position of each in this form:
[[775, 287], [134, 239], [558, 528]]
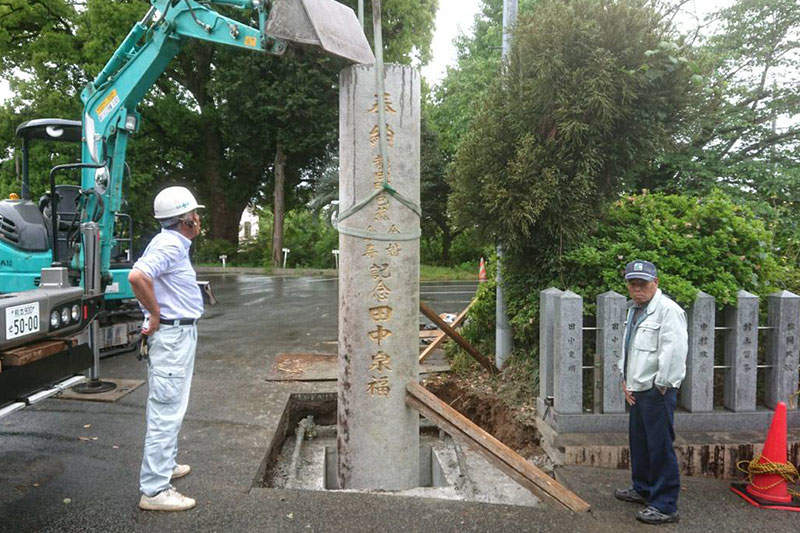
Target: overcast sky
[[455, 16]]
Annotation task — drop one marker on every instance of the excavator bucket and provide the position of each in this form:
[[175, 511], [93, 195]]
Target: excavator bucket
[[325, 23]]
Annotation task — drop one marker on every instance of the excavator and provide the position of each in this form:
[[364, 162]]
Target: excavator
[[32, 239], [49, 328]]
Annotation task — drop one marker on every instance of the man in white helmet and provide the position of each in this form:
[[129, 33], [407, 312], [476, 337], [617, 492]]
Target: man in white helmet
[[165, 284]]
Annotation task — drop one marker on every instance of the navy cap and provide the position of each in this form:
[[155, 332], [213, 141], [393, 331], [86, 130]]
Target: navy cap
[[641, 270]]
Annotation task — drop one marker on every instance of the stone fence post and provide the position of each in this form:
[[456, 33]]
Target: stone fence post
[[741, 351], [547, 317], [697, 390], [611, 307], [782, 347], [568, 360]]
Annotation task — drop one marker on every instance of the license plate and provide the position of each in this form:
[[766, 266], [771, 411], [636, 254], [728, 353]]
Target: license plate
[[22, 320]]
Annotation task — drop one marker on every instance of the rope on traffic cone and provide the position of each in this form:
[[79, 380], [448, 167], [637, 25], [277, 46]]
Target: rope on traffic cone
[[760, 465]]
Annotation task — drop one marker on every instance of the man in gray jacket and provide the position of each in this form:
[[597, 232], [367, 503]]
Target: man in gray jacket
[[652, 365]]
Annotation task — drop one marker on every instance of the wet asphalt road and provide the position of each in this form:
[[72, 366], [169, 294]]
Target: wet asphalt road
[[288, 313], [73, 466]]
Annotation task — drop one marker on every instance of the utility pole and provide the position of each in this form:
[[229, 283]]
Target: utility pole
[[503, 340]]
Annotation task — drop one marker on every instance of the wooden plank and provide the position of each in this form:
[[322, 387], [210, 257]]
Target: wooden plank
[[444, 326], [442, 336], [459, 435], [28, 354], [488, 445]]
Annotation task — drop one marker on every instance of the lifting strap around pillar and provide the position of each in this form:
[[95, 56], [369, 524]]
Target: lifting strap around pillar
[[384, 150]]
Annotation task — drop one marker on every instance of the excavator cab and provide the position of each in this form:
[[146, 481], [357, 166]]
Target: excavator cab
[[27, 226], [25, 233]]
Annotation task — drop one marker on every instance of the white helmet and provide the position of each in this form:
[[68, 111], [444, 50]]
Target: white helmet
[[174, 202]]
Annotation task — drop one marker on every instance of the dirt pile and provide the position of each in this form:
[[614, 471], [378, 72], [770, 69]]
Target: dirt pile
[[478, 400]]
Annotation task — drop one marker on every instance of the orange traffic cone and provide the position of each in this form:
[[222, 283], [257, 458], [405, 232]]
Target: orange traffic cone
[[482, 272], [768, 473]]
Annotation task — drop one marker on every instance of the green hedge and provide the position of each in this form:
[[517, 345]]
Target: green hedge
[[713, 244]]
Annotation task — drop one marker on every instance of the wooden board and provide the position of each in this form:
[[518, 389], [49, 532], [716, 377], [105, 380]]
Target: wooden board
[[28, 354], [461, 341], [498, 453], [123, 388], [442, 336]]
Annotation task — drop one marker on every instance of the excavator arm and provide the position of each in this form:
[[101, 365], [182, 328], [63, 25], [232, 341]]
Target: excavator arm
[[31, 321], [110, 101]]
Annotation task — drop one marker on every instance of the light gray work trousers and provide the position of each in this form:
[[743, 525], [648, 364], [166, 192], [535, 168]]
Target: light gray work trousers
[[169, 377]]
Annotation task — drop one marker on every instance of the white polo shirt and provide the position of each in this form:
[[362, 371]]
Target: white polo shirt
[[166, 262]]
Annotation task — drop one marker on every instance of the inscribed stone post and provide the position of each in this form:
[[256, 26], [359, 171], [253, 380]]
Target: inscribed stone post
[[741, 349], [697, 390], [782, 348], [378, 435], [547, 304], [568, 360], [610, 333]]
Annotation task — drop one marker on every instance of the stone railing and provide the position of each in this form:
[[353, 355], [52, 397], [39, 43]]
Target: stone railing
[[567, 406]]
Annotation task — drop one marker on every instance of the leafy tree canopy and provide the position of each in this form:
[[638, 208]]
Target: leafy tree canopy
[[741, 129], [212, 121], [588, 95], [712, 244]]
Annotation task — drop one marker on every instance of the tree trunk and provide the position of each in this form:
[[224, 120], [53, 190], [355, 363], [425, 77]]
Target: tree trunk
[[223, 220], [278, 207], [223, 210], [447, 240], [448, 236]]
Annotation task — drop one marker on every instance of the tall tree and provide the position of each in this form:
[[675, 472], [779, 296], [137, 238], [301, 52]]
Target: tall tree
[[744, 132], [434, 191], [742, 129], [589, 94], [217, 118], [448, 111]]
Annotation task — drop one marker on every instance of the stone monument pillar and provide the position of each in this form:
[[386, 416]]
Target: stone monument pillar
[[697, 390], [568, 354], [378, 435], [611, 311], [741, 354]]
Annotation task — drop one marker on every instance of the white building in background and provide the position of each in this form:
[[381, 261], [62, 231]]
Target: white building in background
[[248, 225]]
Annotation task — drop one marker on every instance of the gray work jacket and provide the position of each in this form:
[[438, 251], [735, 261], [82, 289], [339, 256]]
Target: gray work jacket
[[658, 346]]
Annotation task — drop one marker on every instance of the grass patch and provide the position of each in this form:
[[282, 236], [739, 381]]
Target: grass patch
[[426, 272], [438, 273], [266, 269]]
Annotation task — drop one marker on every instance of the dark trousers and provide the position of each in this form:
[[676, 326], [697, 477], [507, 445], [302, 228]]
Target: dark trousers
[[654, 466]]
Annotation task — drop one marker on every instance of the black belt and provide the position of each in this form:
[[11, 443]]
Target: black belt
[[179, 321]]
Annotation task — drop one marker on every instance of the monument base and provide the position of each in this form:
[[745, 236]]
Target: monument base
[[302, 456]]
